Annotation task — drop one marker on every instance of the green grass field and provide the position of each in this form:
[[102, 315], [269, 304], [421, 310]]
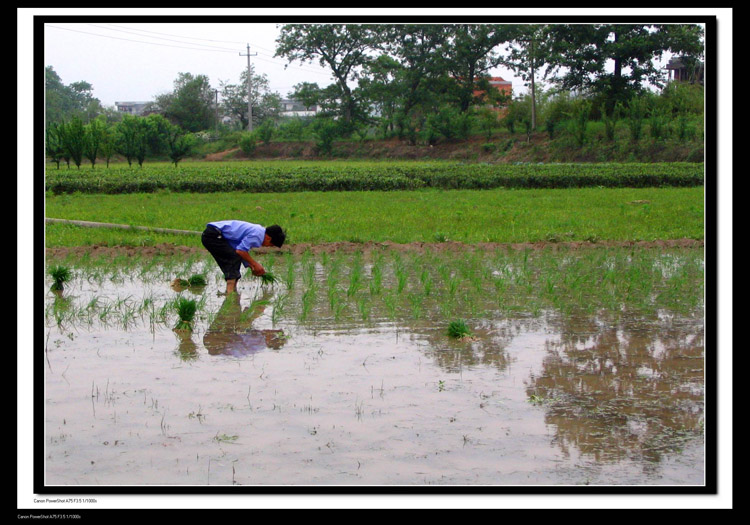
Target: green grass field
[[494, 215]]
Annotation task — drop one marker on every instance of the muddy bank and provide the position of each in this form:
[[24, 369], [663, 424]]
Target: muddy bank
[[166, 249], [502, 148]]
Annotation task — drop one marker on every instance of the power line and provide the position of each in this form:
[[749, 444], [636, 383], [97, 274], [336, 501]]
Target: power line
[[213, 49], [137, 41], [180, 36], [271, 57], [160, 38]]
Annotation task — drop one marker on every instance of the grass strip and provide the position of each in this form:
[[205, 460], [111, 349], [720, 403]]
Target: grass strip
[[499, 215]]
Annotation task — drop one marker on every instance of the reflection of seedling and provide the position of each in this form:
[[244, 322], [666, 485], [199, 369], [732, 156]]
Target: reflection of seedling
[[535, 399], [60, 275], [186, 310], [458, 329], [224, 438]]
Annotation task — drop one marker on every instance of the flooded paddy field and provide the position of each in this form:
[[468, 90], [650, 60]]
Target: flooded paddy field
[[581, 367]]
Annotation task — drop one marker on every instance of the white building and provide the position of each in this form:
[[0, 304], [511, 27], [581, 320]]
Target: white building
[[134, 108], [293, 108]]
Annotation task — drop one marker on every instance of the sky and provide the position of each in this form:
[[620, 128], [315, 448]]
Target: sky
[[137, 61]]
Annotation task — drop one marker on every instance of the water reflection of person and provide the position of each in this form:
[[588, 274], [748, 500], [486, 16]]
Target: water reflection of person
[[232, 334]]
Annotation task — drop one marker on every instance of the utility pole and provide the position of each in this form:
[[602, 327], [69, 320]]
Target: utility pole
[[249, 90], [216, 109]]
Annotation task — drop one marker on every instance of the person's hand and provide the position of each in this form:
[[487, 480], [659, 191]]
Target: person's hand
[[257, 269]]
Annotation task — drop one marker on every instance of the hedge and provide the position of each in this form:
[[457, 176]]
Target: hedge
[[269, 177]]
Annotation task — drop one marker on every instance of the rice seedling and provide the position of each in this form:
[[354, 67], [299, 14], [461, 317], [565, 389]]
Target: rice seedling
[[426, 280], [186, 309], [308, 299], [338, 309], [355, 279], [289, 276], [364, 308], [279, 304], [415, 300], [60, 275], [376, 281], [401, 278], [458, 329], [390, 305], [268, 279]]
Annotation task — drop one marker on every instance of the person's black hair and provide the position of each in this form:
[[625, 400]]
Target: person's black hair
[[276, 234]]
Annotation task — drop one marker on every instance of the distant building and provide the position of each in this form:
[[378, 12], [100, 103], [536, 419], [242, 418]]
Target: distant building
[[134, 108], [294, 108], [678, 70], [503, 86]]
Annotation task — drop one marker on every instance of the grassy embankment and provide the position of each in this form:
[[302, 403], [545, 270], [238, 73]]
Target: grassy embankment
[[497, 215]]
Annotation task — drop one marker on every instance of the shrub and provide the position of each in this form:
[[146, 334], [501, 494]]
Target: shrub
[[248, 143]]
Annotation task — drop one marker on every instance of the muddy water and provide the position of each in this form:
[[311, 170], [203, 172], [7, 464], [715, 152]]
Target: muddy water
[[246, 399]]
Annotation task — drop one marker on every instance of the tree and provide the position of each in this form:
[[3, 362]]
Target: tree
[[108, 144], [411, 77], [94, 132], [132, 140], [470, 52], [65, 102], [54, 143], [341, 47], [528, 54], [74, 140], [190, 105], [265, 104], [179, 143], [617, 60]]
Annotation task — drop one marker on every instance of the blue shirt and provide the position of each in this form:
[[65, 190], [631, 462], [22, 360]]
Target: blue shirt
[[241, 235]]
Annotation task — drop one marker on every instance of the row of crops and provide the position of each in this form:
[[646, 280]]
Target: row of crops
[[287, 177]]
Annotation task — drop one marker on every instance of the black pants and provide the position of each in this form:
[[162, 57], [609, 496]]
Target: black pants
[[222, 252]]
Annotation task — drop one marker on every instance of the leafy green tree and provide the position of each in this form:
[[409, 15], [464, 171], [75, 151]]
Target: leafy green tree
[[54, 143], [326, 99], [343, 48], [488, 122], [74, 140], [108, 144], [617, 60], [179, 143], [63, 102], [470, 51], [95, 132], [326, 131], [450, 123], [191, 105], [132, 138], [528, 53], [410, 79], [265, 103], [377, 89]]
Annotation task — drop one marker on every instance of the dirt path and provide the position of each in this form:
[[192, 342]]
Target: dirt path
[[350, 247]]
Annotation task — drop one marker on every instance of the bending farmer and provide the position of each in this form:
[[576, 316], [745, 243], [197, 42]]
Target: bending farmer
[[229, 242]]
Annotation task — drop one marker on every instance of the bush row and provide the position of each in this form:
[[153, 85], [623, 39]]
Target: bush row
[[370, 177]]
